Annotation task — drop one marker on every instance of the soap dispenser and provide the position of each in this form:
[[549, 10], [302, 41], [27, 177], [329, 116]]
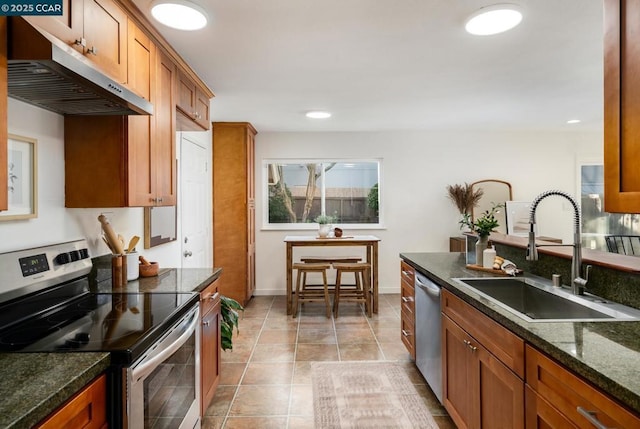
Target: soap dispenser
[[488, 255]]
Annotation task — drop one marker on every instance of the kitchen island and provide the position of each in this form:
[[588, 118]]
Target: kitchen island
[[606, 354], [35, 384]]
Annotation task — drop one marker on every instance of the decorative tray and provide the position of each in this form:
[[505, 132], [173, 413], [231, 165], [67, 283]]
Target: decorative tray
[[334, 238], [491, 270]]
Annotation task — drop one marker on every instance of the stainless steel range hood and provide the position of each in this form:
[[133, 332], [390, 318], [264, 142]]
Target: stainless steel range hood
[[48, 74]]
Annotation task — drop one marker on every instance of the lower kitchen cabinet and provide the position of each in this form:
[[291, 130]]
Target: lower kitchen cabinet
[[86, 410], [210, 343], [562, 397], [407, 305], [480, 389]]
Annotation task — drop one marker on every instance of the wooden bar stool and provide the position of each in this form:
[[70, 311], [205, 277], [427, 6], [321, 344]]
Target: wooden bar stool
[[304, 293], [359, 293]]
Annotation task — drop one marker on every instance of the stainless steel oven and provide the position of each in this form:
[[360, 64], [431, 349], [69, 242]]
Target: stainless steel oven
[[162, 388]]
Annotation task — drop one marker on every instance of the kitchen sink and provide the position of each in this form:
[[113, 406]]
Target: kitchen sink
[[536, 301]]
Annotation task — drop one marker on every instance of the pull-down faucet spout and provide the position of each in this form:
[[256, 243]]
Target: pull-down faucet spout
[[577, 282]]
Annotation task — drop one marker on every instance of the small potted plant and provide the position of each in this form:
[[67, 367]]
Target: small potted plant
[[229, 308], [482, 226], [324, 222]]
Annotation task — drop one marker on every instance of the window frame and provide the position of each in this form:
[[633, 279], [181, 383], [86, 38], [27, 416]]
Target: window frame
[[312, 226]]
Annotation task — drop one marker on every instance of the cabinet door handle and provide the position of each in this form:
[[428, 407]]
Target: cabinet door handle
[[406, 273], [80, 42], [93, 51], [407, 299], [406, 333], [466, 342], [206, 323], [591, 416], [214, 296]]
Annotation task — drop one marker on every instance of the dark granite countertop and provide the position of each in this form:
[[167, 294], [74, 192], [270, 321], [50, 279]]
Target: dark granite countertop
[[35, 384], [605, 353]]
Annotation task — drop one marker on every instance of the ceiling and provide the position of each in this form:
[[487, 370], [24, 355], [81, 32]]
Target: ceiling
[[397, 64]]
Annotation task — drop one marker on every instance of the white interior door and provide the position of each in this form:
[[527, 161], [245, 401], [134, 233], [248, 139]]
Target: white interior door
[[195, 205]]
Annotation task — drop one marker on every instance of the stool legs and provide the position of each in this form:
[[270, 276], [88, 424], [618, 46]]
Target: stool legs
[[360, 294], [304, 294]]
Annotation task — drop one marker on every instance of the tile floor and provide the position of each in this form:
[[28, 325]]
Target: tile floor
[[266, 381]]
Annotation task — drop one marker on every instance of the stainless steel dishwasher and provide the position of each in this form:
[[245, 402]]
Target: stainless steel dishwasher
[[428, 335]]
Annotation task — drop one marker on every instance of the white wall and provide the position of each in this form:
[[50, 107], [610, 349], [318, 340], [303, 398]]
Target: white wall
[[417, 167], [55, 223]]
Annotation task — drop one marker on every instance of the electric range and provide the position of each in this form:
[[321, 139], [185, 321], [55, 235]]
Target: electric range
[[47, 305]]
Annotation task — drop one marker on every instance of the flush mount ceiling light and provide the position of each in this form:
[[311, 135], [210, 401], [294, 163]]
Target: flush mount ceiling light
[[318, 114], [494, 19], [573, 121], [179, 14]]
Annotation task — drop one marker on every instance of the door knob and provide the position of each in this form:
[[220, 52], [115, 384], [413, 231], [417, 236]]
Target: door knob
[[188, 253]]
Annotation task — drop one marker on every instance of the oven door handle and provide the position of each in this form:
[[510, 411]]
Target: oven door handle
[[167, 346]]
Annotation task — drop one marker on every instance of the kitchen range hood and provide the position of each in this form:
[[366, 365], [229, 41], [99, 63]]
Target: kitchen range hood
[[45, 72]]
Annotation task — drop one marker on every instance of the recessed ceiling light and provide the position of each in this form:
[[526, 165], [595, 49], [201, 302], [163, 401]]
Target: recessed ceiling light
[[493, 19], [179, 14], [318, 114], [573, 121]]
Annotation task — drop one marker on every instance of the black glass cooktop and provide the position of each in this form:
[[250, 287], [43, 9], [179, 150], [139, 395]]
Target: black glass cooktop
[[123, 324]]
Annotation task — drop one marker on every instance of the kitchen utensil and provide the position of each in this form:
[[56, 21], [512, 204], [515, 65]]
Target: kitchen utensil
[[132, 244], [143, 260], [107, 243], [149, 270], [116, 246]]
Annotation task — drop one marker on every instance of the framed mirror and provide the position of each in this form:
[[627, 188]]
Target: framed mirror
[[160, 225], [494, 192]]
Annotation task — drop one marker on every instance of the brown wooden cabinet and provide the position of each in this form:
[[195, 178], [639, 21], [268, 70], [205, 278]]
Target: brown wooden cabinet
[[87, 409], [481, 390], [621, 104], [192, 103], [561, 396], [4, 197], [407, 306], [95, 28], [127, 161], [210, 344], [234, 207]]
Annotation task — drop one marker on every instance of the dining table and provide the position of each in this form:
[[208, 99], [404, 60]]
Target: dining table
[[369, 242]]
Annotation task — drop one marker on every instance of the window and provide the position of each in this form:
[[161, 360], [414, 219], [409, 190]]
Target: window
[[299, 191], [596, 223]]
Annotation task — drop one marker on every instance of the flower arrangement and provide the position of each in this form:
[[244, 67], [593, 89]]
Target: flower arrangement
[[464, 197], [484, 224], [324, 219]]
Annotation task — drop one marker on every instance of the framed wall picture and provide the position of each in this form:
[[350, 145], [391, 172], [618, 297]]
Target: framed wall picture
[[22, 178], [160, 225]]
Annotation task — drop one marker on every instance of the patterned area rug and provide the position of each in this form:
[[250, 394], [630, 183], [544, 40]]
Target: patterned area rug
[[358, 395]]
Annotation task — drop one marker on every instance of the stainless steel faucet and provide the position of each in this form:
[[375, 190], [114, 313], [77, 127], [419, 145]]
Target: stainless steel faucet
[[577, 282]]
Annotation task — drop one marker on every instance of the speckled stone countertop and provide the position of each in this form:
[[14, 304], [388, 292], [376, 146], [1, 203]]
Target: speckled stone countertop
[[35, 384], [605, 353]]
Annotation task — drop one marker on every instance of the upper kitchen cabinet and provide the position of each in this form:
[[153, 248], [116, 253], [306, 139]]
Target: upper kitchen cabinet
[[4, 197], [127, 161], [193, 104], [95, 28], [621, 106]]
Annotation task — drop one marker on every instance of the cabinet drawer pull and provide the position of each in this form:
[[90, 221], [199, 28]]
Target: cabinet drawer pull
[[466, 342], [407, 299], [591, 416], [206, 323], [406, 333], [406, 273], [214, 296], [93, 50]]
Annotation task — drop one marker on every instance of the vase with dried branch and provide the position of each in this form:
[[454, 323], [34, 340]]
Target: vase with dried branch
[[464, 197]]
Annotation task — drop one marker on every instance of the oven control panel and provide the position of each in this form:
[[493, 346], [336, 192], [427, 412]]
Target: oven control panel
[[29, 270]]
